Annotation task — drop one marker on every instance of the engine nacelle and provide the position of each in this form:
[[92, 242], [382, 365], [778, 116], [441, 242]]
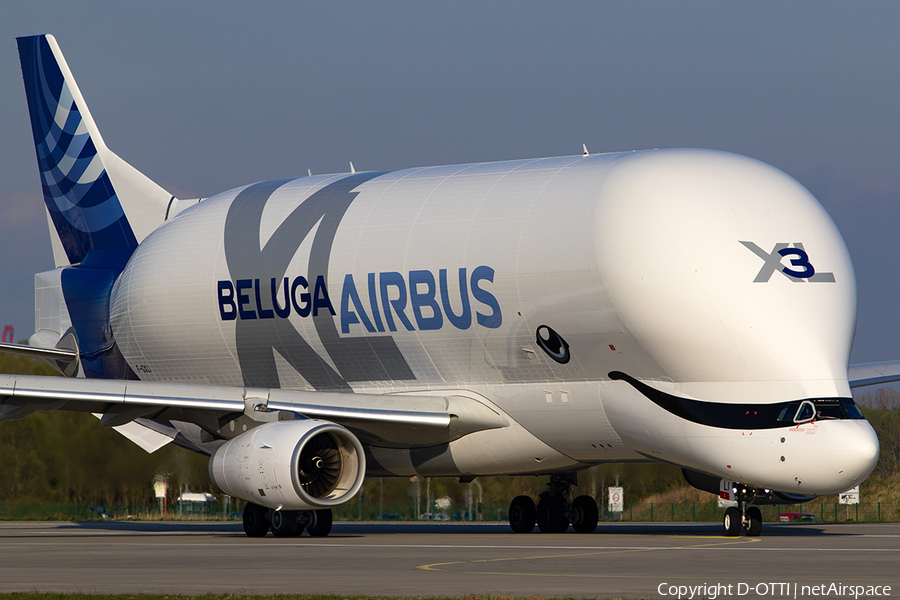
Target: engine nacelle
[[291, 465]]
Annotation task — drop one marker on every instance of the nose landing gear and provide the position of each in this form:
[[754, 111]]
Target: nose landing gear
[[744, 515]]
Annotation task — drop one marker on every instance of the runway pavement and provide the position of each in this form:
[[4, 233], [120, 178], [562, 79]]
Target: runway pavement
[[429, 559]]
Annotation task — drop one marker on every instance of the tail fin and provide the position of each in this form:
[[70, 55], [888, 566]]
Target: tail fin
[[94, 199]]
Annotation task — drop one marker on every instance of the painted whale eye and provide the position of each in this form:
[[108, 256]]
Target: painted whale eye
[[553, 344]]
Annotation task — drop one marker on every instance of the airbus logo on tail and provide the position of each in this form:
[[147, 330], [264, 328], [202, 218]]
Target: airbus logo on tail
[[800, 269]]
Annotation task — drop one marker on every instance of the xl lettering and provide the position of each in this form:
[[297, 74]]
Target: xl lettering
[[250, 296], [799, 269]]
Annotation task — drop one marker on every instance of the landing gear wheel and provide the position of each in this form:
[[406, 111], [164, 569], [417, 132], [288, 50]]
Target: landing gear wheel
[[732, 521], [285, 523], [256, 522], [319, 522], [755, 526], [551, 516], [585, 514], [522, 514]]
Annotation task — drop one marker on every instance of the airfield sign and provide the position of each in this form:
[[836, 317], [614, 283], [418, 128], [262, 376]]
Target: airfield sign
[[851, 496], [616, 500]]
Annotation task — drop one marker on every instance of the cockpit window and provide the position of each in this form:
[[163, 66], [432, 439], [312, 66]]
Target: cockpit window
[[851, 409], [819, 408], [806, 412], [787, 413], [830, 409], [745, 416]]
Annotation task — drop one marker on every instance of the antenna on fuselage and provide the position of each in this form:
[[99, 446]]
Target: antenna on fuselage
[[352, 169], [586, 153]]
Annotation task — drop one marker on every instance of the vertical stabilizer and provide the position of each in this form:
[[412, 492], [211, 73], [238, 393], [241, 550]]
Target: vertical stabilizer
[[95, 200]]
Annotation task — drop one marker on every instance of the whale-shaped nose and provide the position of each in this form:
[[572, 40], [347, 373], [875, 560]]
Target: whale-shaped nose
[[856, 453]]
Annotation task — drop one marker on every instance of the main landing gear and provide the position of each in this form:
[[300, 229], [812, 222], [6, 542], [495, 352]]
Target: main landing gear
[[554, 511], [744, 515], [285, 523]]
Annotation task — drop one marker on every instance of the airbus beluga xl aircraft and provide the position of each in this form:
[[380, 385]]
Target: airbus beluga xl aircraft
[[528, 317]]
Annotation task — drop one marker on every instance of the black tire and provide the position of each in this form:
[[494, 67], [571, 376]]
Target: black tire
[[755, 516], [285, 523], [551, 516], [256, 520], [732, 522], [522, 514], [319, 522], [585, 514]]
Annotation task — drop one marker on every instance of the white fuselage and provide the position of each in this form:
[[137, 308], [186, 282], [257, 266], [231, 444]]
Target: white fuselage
[[661, 265]]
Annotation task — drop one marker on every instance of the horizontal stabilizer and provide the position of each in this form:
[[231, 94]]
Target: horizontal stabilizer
[[36, 352], [63, 357]]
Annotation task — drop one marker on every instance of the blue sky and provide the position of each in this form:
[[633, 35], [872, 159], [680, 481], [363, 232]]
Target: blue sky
[[208, 96]]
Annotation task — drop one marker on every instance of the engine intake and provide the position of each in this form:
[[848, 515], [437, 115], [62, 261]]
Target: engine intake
[[291, 465]]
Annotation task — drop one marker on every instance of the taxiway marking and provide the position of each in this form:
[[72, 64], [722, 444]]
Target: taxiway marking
[[437, 566]]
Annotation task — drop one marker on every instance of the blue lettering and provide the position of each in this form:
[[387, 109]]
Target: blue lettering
[[348, 317], [242, 299], [464, 320], [493, 320], [424, 300], [226, 300], [396, 280], [320, 297], [285, 312], [802, 260], [373, 302], [421, 294], [306, 306], [263, 313]]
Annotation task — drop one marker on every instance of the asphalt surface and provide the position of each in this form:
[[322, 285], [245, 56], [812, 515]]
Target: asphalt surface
[[449, 559]]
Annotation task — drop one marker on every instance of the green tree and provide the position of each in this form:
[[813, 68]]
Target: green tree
[[64, 456], [882, 409]]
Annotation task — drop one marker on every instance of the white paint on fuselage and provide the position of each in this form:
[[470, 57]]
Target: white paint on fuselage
[[634, 259], [823, 457]]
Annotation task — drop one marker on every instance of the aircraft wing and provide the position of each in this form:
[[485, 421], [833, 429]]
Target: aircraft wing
[[874, 374], [384, 420]]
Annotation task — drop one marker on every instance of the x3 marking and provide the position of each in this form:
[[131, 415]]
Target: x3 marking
[[799, 258]]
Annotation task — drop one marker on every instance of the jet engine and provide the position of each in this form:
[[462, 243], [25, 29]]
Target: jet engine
[[291, 465]]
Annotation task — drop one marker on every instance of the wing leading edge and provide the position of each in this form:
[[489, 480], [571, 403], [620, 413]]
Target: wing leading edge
[[383, 420], [874, 374]]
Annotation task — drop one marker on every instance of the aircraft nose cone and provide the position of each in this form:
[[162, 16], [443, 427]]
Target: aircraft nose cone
[[856, 455]]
